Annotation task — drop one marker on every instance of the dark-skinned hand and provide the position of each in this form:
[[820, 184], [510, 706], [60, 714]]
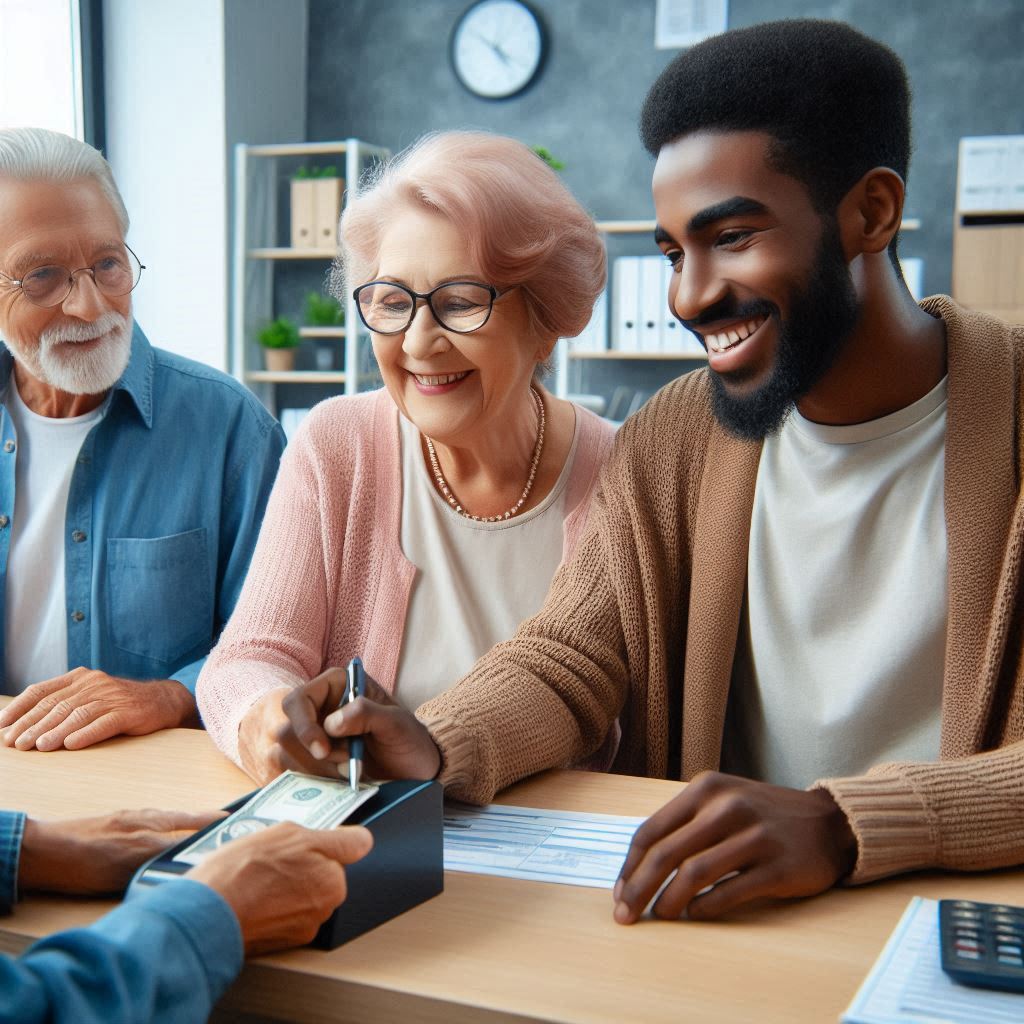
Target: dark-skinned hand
[[774, 842], [397, 745]]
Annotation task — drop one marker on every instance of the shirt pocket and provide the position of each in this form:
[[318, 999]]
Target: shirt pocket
[[160, 597]]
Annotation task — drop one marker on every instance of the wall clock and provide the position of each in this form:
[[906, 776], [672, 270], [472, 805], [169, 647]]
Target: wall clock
[[497, 48]]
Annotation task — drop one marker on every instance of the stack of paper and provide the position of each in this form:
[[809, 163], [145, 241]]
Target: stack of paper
[[907, 984]]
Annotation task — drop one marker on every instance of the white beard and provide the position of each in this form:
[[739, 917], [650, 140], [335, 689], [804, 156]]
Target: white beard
[[57, 363]]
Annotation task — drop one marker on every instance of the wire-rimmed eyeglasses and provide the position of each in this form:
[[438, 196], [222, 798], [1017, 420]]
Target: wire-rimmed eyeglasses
[[386, 307], [116, 273]]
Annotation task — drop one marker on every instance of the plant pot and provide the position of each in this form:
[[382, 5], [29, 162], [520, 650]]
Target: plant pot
[[280, 360], [324, 355]]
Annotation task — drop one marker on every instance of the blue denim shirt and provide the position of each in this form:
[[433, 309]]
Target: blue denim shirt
[[163, 514], [164, 956]]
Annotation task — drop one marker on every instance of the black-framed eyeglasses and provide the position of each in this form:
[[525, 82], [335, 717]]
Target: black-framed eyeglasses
[[386, 307], [115, 274]]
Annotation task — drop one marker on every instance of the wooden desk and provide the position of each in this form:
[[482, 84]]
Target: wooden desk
[[493, 949]]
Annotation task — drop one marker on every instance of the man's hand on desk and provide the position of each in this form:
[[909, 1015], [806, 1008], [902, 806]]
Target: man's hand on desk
[[99, 855], [778, 843], [87, 706], [398, 745]]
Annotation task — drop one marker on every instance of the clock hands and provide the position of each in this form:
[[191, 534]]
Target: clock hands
[[498, 51]]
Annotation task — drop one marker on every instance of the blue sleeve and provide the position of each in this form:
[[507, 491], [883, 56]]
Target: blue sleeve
[[12, 825], [188, 675], [163, 957]]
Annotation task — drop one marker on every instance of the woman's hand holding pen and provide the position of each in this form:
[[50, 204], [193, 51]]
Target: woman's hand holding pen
[[397, 745]]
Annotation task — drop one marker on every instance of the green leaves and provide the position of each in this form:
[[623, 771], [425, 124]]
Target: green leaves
[[304, 172], [323, 310], [546, 155], [279, 333]]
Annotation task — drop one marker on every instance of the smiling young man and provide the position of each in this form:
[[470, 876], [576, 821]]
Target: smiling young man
[[800, 587], [132, 482]]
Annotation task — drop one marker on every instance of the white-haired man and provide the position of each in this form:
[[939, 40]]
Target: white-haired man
[[132, 481]]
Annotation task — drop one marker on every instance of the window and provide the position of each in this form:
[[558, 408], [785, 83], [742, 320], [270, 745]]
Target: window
[[47, 76]]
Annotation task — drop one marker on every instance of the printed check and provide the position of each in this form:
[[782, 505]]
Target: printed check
[[307, 800]]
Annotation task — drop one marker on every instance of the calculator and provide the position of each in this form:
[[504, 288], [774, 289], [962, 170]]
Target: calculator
[[982, 944]]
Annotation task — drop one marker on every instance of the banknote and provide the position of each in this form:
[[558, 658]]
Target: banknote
[[305, 799]]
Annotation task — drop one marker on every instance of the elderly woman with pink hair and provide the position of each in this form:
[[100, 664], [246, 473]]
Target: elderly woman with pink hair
[[417, 525]]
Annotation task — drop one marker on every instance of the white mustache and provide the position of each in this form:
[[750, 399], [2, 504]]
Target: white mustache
[[64, 333]]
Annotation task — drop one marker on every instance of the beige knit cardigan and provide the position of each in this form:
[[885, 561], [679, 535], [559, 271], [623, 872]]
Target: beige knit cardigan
[[643, 622]]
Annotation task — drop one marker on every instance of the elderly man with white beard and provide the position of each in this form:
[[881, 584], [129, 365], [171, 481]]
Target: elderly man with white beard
[[132, 481]]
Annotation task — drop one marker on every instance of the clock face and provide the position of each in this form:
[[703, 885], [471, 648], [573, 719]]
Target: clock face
[[497, 48]]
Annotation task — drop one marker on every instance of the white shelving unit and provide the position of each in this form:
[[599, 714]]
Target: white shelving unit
[[256, 232], [566, 356]]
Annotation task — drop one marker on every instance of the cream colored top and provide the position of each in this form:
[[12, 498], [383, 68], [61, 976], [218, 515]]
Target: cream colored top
[[475, 582], [842, 640]]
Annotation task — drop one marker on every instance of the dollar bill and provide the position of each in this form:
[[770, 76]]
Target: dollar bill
[[307, 800]]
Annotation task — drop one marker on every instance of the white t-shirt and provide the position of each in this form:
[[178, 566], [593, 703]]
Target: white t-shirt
[[35, 620], [841, 651], [475, 582]]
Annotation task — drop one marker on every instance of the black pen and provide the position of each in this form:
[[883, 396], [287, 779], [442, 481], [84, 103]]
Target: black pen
[[356, 688]]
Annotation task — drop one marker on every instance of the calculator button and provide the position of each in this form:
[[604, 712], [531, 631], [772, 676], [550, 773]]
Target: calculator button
[[1015, 950], [968, 954], [1014, 961], [967, 915]]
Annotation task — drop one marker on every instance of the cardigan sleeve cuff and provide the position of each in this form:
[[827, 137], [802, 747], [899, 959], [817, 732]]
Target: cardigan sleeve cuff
[[890, 822], [459, 773]]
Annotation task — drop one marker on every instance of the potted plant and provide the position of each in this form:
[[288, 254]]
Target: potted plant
[[549, 158], [279, 339], [325, 312]]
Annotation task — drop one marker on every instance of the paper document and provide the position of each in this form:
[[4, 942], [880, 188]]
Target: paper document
[[545, 846], [907, 984], [305, 799]]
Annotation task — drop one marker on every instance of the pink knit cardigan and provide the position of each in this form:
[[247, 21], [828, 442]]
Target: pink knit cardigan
[[328, 578]]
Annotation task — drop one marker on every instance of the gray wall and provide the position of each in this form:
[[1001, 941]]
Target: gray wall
[[378, 69]]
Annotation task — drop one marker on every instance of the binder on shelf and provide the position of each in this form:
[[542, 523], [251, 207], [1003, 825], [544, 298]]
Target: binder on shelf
[[594, 337], [626, 303], [290, 420], [303, 214], [327, 194], [913, 273], [688, 344], [652, 302], [671, 334]]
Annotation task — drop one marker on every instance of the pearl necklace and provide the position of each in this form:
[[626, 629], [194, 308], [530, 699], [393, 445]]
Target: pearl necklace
[[449, 495]]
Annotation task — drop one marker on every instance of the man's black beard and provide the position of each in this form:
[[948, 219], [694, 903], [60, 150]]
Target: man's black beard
[[820, 321]]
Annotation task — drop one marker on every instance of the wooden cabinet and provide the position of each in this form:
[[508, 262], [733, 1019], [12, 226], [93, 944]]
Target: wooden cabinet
[[988, 229]]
